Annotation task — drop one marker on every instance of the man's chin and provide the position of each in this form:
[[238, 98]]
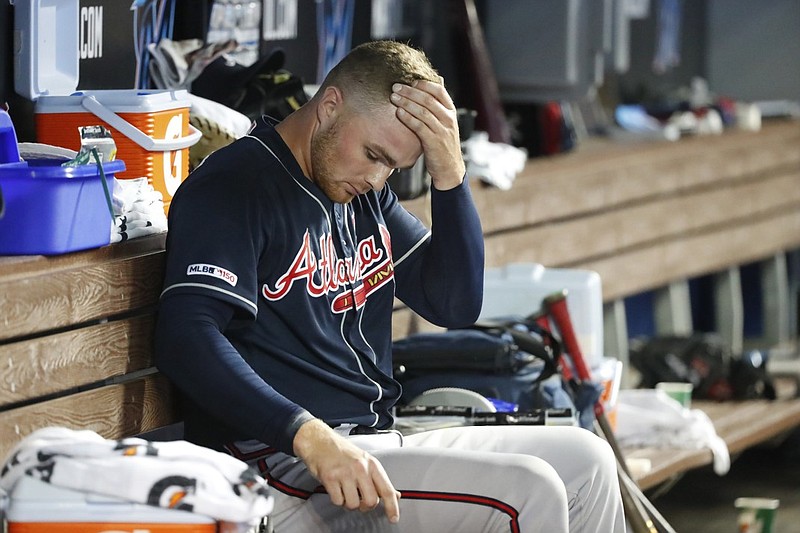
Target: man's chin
[[340, 196]]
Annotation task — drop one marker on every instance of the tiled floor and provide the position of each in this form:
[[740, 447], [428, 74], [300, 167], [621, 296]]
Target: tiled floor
[[702, 502]]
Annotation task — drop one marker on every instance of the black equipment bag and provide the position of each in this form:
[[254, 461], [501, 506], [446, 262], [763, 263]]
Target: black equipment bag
[[700, 359], [265, 88], [469, 350], [512, 363], [705, 361], [500, 346]]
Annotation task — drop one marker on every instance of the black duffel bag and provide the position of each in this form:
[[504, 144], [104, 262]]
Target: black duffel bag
[[706, 361], [510, 362]]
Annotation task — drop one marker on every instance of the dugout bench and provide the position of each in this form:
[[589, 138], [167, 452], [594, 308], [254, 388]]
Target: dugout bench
[[76, 342], [76, 335]]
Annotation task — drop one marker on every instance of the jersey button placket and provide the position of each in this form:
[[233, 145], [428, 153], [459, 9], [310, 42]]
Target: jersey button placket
[[343, 233]]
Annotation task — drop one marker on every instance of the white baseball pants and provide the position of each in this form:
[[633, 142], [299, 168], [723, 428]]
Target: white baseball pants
[[465, 479]]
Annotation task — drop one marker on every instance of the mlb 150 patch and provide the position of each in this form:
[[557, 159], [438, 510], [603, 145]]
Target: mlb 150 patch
[[202, 269]]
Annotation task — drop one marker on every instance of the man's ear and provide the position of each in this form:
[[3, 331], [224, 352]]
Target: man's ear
[[330, 105]]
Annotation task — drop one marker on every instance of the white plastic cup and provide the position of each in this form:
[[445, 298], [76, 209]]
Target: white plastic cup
[[682, 392]]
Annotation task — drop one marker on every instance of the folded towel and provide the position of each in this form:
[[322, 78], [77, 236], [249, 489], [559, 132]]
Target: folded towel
[[133, 470]]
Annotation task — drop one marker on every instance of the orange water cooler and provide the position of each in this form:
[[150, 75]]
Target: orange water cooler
[[150, 128]]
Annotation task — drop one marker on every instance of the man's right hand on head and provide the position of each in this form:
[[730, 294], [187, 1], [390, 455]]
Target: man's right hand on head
[[426, 109], [352, 477]]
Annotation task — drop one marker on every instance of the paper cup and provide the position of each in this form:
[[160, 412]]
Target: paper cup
[[756, 515], [678, 391]]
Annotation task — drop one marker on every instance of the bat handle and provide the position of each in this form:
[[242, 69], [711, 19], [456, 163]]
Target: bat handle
[[556, 307]]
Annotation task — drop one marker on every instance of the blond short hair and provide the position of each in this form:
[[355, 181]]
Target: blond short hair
[[368, 71]]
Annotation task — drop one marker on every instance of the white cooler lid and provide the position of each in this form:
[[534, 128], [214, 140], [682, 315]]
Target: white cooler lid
[[45, 47]]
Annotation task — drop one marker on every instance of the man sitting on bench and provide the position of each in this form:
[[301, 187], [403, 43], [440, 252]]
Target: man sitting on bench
[[285, 253]]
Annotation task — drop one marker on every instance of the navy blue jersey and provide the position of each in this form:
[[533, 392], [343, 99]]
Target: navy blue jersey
[[313, 281]]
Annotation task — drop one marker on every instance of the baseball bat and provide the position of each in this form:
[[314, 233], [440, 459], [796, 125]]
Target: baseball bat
[[479, 75], [661, 523], [635, 512], [555, 306]]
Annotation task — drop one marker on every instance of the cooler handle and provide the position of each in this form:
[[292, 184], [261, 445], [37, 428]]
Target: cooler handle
[[137, 135]]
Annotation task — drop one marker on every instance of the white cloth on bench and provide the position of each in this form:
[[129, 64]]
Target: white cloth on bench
[[648, 417], [173, 475]]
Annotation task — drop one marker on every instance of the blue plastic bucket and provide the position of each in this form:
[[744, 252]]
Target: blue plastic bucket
[[52, 209]]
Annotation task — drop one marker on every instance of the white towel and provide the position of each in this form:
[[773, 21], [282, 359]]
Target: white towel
[[217, 485], [176, 64], [138, 210], [648, 417], [496, 164], [128, 192]]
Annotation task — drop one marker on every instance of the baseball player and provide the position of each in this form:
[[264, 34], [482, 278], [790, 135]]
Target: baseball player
[[285, 253]]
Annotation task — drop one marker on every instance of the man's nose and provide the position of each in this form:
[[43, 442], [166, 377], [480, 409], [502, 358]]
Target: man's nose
[[377, 180]]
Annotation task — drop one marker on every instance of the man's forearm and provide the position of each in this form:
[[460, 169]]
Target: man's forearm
[[193, 353]]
